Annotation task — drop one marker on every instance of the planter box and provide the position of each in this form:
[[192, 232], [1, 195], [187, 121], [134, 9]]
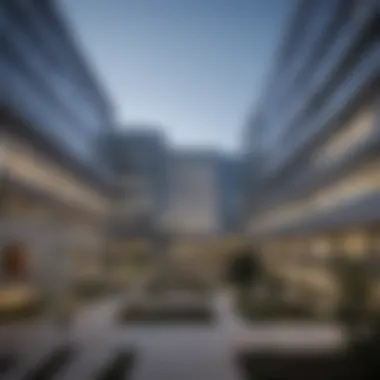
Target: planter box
[[22, 312], [166, 314], [273, 310], [91, 289]]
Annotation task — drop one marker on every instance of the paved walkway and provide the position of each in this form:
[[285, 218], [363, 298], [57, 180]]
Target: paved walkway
[[167, 353], [193, 352], [280, 335], [30, 342]]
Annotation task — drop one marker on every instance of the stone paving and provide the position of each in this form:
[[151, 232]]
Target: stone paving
[[173, 352]]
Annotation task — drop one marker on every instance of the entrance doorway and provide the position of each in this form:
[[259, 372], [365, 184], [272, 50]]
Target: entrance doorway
[[14, 262]]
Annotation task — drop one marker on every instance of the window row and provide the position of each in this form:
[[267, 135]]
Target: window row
[[353, 132], [21, 95], [64, 86], [361, 182]]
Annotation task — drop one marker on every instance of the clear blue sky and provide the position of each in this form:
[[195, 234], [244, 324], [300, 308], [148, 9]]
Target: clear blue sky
[[193, 67]]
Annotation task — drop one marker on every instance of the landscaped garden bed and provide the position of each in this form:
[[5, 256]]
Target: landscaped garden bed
[[89, 289], [187, 285], [166, 314], [23, 311], [170, 297], [266, 301], [254, 309]]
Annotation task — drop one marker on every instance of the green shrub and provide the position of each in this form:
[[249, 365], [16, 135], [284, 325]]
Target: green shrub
[[177, 283], [24, 312], [244, 269], [272, 309], [91, 289], [271, 305], [166, 315]]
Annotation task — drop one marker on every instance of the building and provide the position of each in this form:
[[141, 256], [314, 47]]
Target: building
[[139, 158], [313, 150], [231, 172], [193, 206], [192, 218], [203, 211], [56, 182]]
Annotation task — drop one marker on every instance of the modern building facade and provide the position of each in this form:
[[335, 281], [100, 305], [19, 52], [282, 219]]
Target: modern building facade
[[194, 203], [313, 146], [231, 172], [139, 159], [203, 211], [56, 182]]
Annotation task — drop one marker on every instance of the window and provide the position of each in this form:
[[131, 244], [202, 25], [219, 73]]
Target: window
[[356, 130], [363, 181]]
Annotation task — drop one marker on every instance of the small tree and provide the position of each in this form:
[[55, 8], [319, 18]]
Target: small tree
[[243, 270]]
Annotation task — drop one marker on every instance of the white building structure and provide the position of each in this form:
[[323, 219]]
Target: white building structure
[[193, 204]]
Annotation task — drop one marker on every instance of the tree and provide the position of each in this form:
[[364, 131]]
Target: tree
[[244, 269]]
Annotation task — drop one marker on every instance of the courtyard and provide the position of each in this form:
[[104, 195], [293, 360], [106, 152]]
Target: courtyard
[[96, 345]]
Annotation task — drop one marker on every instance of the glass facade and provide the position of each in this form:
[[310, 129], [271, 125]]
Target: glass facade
[[327, 70], [143, 156], [230, 175], [336, 54], [43, 83]]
